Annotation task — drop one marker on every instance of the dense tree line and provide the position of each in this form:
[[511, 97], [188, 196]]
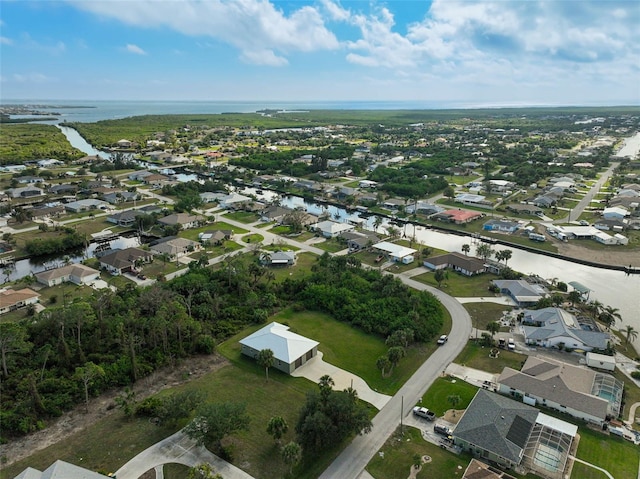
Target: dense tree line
[[26, 142], [71, 240], [408, 181], [61, 356]]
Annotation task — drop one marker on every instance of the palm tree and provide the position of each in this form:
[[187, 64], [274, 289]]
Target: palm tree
[[454, 400], [265, 359], [493, 327], [465, 249], [609, 315], [631, 334], [596, 308]]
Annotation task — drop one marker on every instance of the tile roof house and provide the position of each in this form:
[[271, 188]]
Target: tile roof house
[[523, 293], [73, 273], [457, 216], [274, 213], [215, 236], [60, 470], [514, 434], [467, 265], [122, 261], [581, 392], [12, 299], [290, 350], [550, 327], [125, 218]]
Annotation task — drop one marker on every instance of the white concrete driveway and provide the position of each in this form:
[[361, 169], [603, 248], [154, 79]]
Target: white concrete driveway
[[314, 369]]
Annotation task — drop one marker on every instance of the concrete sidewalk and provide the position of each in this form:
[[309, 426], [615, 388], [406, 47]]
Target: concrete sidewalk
[[470, 375], [315, 368]]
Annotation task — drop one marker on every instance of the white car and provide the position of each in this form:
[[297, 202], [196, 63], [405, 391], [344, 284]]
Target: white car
[[443, 339], [511, 344]]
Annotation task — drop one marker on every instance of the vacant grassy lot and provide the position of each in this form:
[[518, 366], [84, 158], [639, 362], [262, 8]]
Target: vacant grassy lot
[[436, 397], [477, 356], [243, 216], [484, 313], [301, 269], [459, 285], [331, 245], [395, 458], [192, 234]]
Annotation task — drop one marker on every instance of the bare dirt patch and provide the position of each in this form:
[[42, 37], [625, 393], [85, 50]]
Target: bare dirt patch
[[453, 415], [78, 419], [609, 256]]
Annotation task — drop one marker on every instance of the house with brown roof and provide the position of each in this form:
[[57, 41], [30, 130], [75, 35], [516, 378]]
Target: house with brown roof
[[11, 299], [185, 220], [124, 260], [576, 390], [458, 216], [174, 247], [73, 273], [467, 265]]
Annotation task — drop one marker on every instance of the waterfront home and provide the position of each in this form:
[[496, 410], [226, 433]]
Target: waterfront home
[[122, 261], [503, 226], [526, 209], [174, 247], [331, 229], [457, 216], [575, 390], [234, 201], [467, 265], [357, 241], [125, 218], [395, 252], [185, 220], [290, 350], [557, 328], [73, 273], [86, 205]]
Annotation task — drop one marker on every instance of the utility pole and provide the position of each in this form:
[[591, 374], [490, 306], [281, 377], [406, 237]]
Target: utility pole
[[401, 414]]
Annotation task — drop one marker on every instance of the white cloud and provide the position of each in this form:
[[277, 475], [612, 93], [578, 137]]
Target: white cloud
[[336, 11], [30, 78], [255, 27], [52, 48], [131, 48], [6, 41]]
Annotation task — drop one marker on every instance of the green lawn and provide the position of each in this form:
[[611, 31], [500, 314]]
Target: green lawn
[[243, 216], [483, 313], [192, 234], [614, 454], [331, 245], [395, 458], [436, 397], [253, 238], [459, 285], [301, 269], [476, 356]]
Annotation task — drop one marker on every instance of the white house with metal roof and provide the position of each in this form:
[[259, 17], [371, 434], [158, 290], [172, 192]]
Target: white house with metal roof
[[60, 470], [396, 252], [331, 229], [290, 350]]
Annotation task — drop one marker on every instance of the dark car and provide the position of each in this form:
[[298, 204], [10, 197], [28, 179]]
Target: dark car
[[442, 430]]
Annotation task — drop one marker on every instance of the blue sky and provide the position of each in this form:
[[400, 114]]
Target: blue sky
[[505, 52]]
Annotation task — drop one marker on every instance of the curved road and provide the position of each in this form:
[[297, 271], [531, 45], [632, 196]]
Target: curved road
[[354, 458]]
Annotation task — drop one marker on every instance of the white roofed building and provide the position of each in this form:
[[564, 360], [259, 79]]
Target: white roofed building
[[290, 350], [397, 253]]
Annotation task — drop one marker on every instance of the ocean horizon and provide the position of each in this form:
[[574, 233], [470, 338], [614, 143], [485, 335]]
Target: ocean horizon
[[89, 111]]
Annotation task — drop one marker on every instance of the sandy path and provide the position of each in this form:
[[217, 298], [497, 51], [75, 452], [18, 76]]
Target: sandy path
[[78, 419]]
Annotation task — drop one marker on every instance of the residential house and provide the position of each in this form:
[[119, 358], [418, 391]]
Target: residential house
[[615, 213], [116, 197], [156, 180], [458, 216], [526, 209], [423, 208], [73, 273], [86, 205], [331, 229], [215, 236], [395, 252], [467, 265], [512, 434], [60, 470], [480, 470], [185, 220], [46, 211], [290, 350], [274, 213], [367, 184], [544, 201], [522, 292], [234, 201], [209, 197], [502, 226], [25, 192], [125, 218], [140, 175], [174, 247], [606, 225], [12, 299], [24, 180], [479, 201], [278, 258], [501, 185], [581, 392], [357, 241], [555, 328], [124, 143], [63, 189], [124, 260], [48, 163], [150, 209], [394, 203]]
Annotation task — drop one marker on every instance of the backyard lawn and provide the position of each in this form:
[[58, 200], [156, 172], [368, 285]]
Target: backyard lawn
[[614, 454], [243, 216], [435, 398], [484, 313]]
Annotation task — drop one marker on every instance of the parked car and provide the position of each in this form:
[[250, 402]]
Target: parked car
[[442, 430], [511, 344], [443, 339], [424, 413]]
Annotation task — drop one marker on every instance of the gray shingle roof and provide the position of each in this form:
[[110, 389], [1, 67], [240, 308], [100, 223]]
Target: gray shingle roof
[[497, 424]]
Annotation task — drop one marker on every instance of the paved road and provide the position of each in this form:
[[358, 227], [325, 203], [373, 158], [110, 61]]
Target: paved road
[[577, 210], [352, 461]]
